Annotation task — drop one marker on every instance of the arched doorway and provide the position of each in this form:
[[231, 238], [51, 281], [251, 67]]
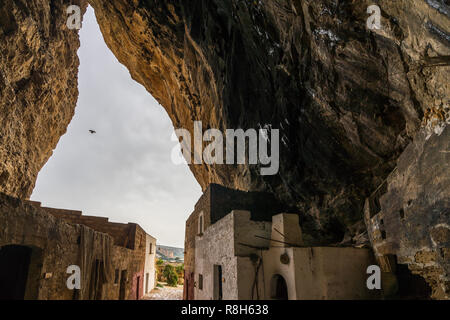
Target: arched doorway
[[278, 288], [19, 272]]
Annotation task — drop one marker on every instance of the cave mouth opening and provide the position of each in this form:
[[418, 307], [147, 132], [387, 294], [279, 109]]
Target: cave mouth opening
[[20, 269], [115, 159]]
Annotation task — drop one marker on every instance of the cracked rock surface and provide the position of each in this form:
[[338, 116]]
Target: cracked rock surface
[[38, 87], [347, 100]]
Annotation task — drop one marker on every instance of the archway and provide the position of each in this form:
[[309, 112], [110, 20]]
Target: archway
[[278, 288], [19, 272]]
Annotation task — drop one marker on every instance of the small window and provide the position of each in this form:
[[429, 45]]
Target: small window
[[116, 276], [151, 248], [402, 214], [201, 224], [200, 281], [383, 234]]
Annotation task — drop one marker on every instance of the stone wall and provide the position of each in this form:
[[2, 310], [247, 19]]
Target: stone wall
[[239, 245], [123, 234], [222, 244]]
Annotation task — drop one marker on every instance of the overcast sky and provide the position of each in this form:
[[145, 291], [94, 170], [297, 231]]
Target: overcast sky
[[124, 172]]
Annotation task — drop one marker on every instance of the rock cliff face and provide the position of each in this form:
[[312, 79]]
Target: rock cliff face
[[409, 218], [38, 87], [347, 100]]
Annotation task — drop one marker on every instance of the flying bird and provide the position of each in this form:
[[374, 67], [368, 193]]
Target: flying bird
[[92, 131]]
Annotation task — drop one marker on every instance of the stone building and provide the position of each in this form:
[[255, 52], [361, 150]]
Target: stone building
[[37, 245], [240, 259], [215, 203]]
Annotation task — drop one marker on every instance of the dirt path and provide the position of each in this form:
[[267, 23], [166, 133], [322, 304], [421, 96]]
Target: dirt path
[[166, 293]]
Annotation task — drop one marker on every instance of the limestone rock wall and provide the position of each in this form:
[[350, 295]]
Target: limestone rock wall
[[38, 87], [412, 220]]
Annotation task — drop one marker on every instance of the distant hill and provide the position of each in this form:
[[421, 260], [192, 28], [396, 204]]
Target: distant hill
[[169, 253]]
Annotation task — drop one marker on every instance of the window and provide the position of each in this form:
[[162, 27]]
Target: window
[[201, 224], [151, 248], [200, 281], [116, 276]]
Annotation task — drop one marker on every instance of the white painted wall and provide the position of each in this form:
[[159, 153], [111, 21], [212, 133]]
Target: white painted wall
[[219, 245], [312, 272], [320, 273], [150, 267]]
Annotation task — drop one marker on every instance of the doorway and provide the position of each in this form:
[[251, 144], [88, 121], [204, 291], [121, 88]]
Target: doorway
[[278, 288], [19, 272], [218, 294], [147, 278], [138, 288], [123, 284]]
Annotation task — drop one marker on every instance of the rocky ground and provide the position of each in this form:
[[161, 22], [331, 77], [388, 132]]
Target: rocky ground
[[165, 293]]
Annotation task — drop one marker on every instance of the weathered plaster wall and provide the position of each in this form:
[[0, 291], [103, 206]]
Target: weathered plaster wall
[[222, 244], [312, 272], [215, 203], [320, 273]]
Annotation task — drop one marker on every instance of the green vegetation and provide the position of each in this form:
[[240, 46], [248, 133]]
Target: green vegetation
[[159, 262], [171, 275], [180, 268]]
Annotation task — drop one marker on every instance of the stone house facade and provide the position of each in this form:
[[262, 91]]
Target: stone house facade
[[37, 245]]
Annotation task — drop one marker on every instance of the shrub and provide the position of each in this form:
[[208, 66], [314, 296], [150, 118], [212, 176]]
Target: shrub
[[180, 268], [171, 276]]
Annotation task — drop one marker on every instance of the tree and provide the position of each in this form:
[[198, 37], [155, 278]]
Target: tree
[[159, 262], [171, 275]]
